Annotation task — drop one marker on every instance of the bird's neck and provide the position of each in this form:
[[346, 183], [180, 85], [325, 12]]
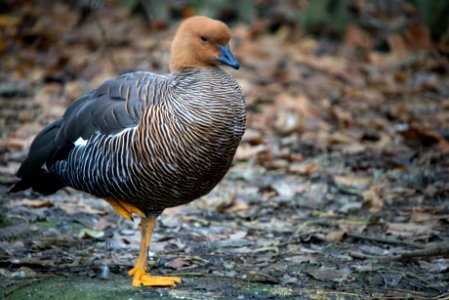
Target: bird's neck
[[201, 83], [205, 73]]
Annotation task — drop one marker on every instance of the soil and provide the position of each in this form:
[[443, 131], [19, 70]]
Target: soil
[[339, 189]]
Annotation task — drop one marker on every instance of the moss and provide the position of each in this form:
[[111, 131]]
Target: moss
[[77, 288], [4, 221]]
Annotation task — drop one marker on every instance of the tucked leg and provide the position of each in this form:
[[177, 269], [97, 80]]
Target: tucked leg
[[124, 209], [139, 272]]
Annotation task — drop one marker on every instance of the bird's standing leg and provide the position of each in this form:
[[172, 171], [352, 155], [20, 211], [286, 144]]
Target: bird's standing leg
[[141, 277]]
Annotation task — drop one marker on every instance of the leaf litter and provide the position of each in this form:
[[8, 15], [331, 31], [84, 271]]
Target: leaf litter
[[340, 184]]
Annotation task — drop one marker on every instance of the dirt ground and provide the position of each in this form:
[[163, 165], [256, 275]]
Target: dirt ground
[[339, 189]]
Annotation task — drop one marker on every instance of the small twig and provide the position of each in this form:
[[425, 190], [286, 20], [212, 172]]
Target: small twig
[[188, 274], [437, 249], [19, 286], [359, 255], [384, 240]]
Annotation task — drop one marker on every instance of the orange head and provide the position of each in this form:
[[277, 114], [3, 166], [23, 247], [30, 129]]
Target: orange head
[[201, 42]]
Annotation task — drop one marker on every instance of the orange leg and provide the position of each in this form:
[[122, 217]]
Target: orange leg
[[141, 277], [124, 209]]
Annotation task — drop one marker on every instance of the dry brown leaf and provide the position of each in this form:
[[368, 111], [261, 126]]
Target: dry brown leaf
[[418, 215], [358, 182], [414, 39], [333, 274], [291, 113], [80, 205], [35, 203], [246, 151], [372, 200], [180, 263], [254, 137], [335, 138], [223, 204], [240, 208], [426, 137], [304, 168], [298, 259], [288, 122], [43, 204], [9, 21], [102, 224], [334, 235], [438, 265], [410, 229], [238, 234], [356, 37]]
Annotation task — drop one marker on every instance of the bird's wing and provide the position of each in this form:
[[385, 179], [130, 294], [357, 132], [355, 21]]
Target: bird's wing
[[115, 105]]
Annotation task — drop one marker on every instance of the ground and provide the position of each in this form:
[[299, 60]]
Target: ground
[[339, 189]]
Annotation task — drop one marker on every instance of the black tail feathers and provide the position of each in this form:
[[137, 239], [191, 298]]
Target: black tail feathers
[[43, 182]]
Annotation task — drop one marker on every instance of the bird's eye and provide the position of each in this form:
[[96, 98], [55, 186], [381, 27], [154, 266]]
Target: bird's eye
[[203, 38]]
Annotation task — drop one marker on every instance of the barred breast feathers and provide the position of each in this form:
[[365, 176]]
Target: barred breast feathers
[[202, 112], [190, 125]]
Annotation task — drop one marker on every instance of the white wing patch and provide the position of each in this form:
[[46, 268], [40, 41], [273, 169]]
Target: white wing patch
[[124, 131], [80, 142]]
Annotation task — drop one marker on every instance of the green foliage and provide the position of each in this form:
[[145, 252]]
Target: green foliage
[[4, 221], [245, 10], [435, 13], [326, 15]]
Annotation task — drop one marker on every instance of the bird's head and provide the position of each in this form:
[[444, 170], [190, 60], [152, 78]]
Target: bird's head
[[201, 42]]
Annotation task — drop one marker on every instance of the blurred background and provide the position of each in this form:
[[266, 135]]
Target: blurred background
[[347, 136]]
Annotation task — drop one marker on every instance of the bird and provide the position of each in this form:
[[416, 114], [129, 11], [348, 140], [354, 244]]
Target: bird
[[145, 142]]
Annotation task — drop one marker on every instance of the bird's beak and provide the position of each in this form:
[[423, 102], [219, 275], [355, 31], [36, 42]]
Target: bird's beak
[[226, 57]]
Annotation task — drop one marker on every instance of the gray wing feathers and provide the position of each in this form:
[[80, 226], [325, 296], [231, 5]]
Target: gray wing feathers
[[115, 105], [111, 108]]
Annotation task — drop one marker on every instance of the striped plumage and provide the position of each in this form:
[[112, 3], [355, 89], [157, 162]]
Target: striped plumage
[[190, 126], [145, 142]]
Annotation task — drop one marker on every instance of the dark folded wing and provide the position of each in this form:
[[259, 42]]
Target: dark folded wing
[[115, 105]]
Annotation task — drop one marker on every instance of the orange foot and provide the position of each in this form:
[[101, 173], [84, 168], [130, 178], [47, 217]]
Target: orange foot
[[142, 278]]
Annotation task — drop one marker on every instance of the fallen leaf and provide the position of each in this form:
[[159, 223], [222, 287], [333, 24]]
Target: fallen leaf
[[22, 272], [334, 235], [246, 151], [35, 203], [410, 229], [240, 234], [102, 224], [253, 137], [181, 263], [359, 182], [418, 215], [170, 221], [356, 37], [87, 232], [407, 43], [304, 168], [439, 265], [299, 259], [372, 200], [9, 21], [332, 274], [290, 113]]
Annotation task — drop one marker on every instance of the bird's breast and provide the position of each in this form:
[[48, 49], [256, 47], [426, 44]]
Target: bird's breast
[[190, 145]]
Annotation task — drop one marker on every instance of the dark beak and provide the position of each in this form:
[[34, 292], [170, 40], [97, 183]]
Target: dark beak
[[226, 57]]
